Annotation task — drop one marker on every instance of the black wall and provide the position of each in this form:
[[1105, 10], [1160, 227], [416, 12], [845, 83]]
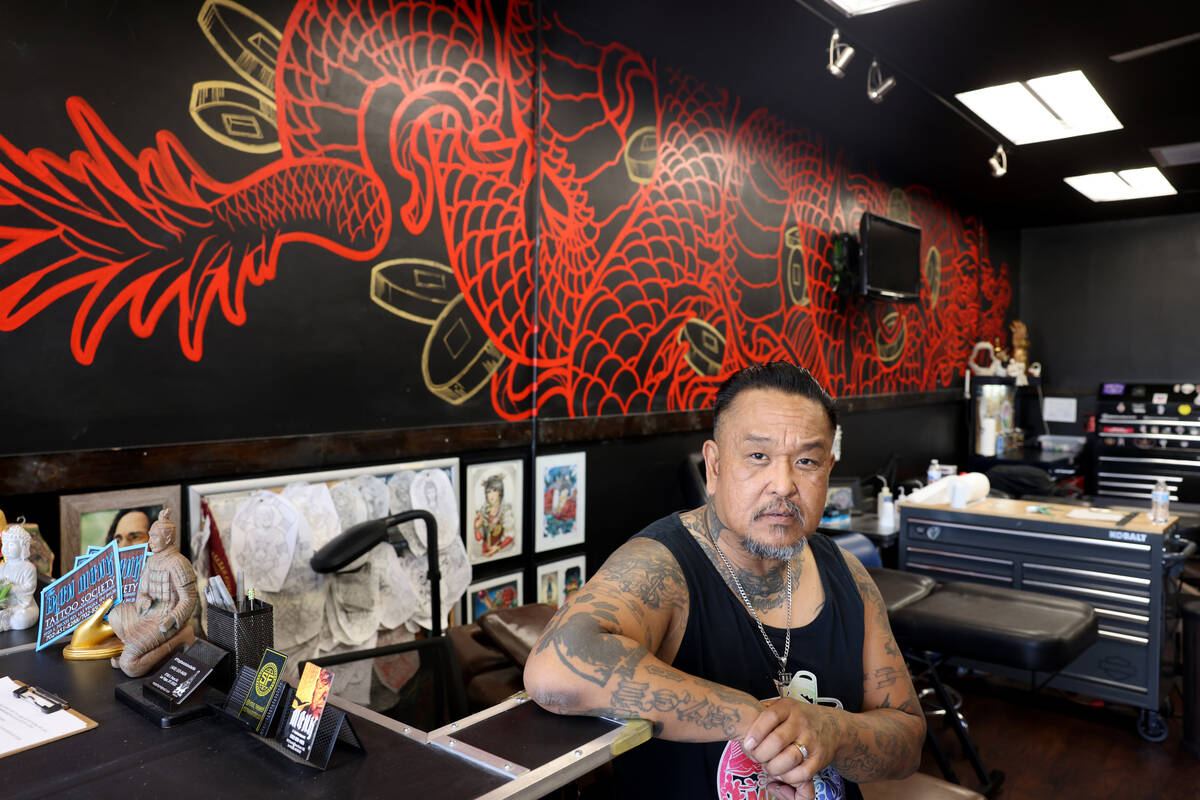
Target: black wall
[[1113, 301], [309, 315], [632, 482]]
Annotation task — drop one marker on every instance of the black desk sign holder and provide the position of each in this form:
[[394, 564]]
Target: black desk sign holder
[[334, 726], [168, 696]]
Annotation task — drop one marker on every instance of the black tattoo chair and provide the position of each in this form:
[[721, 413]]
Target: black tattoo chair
[[899, 589], [995, 625]]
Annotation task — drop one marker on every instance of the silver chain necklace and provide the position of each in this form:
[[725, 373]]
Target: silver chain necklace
[[785, 677]]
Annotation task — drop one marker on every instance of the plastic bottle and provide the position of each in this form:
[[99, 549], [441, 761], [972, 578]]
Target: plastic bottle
[[886, 508], [1160, 502], [934, 473]]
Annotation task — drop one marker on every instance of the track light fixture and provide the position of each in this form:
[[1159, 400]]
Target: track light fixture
[[999, 162], [840, 54], [877, 85]]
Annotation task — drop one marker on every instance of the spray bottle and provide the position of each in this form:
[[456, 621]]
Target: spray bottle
[[885, 506]]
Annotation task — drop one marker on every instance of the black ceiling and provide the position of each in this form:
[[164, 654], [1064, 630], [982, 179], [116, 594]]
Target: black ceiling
[[772, 53]]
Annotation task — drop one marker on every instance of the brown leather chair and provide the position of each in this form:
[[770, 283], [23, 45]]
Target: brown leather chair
[[492, 651]]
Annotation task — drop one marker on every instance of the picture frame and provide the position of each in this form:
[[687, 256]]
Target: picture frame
[[504, 591], [84, 517], [844, 494], [492, 523], [560, 495], [556, 581], [232, 492]]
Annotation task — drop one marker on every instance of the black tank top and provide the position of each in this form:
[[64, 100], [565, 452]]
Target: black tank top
[[722, 643]]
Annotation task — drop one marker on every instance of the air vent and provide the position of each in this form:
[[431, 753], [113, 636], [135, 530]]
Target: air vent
[[1151, 49], [1177, 154]]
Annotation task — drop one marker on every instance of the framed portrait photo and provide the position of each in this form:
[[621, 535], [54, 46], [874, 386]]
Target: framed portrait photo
[[844, 494], [125, 516], [559, 580], [493, 594], [494, 510], [560, 488]]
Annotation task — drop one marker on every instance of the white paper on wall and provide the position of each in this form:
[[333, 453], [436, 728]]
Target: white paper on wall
[[265, 532], [432, 491]]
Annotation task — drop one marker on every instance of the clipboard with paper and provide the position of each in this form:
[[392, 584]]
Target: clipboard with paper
[[30, 717]]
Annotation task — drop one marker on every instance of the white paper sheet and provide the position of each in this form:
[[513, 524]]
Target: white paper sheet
[[1059, 409], [1096, 514], [265, 531], [22, 723]]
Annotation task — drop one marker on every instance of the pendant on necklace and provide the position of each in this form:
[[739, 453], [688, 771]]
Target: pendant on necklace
[[783, 682]]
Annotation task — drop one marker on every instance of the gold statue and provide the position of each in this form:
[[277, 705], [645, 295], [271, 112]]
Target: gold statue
[[158, 620], [1020, 342], [94, 638]]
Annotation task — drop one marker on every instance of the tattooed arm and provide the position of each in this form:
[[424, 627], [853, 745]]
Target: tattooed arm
[[885, 742], [599, 654], [881, 742]]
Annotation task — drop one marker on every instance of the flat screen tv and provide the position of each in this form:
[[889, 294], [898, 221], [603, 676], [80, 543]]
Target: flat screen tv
[[889, 258]]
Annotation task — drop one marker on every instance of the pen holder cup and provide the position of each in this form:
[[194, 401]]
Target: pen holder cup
[[245, 634]]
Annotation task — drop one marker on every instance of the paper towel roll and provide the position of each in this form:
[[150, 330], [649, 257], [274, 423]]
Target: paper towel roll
[[969, 488], [986, 444], [974, 485]]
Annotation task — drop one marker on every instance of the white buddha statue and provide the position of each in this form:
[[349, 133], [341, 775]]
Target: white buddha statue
[[18, 610]]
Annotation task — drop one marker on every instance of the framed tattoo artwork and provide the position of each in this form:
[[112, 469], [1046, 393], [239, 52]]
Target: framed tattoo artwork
[[493, 594], [125, 516], [558, 581], [261, 533], [560, 489], [354, 495], [494, 510]]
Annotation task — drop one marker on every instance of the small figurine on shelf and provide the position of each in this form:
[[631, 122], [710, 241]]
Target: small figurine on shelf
[[1017, 367], [158, 620], [1020, 341], [18, 609]]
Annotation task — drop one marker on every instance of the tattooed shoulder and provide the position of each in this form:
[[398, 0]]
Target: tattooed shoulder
[[644, 571]]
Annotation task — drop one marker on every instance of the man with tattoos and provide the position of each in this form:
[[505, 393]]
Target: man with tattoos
[[702, 620]]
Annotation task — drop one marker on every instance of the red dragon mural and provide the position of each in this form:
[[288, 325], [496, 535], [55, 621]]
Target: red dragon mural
[[622, 235]]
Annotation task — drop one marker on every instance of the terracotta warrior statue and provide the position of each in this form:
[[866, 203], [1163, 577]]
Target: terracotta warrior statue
[[18, 610], [158, 620]]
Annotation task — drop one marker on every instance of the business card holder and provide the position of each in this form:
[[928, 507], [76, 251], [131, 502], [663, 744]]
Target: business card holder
[[334, 726]]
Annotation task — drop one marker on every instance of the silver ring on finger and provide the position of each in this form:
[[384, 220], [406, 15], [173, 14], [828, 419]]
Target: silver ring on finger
[[802, 749]]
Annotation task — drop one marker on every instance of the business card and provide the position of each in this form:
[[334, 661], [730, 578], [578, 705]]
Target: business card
[[307, 707], [258, 699]]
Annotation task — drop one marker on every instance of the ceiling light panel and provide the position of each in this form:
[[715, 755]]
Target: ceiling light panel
[[1042, 109], [854, 8], [1128, 184]]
